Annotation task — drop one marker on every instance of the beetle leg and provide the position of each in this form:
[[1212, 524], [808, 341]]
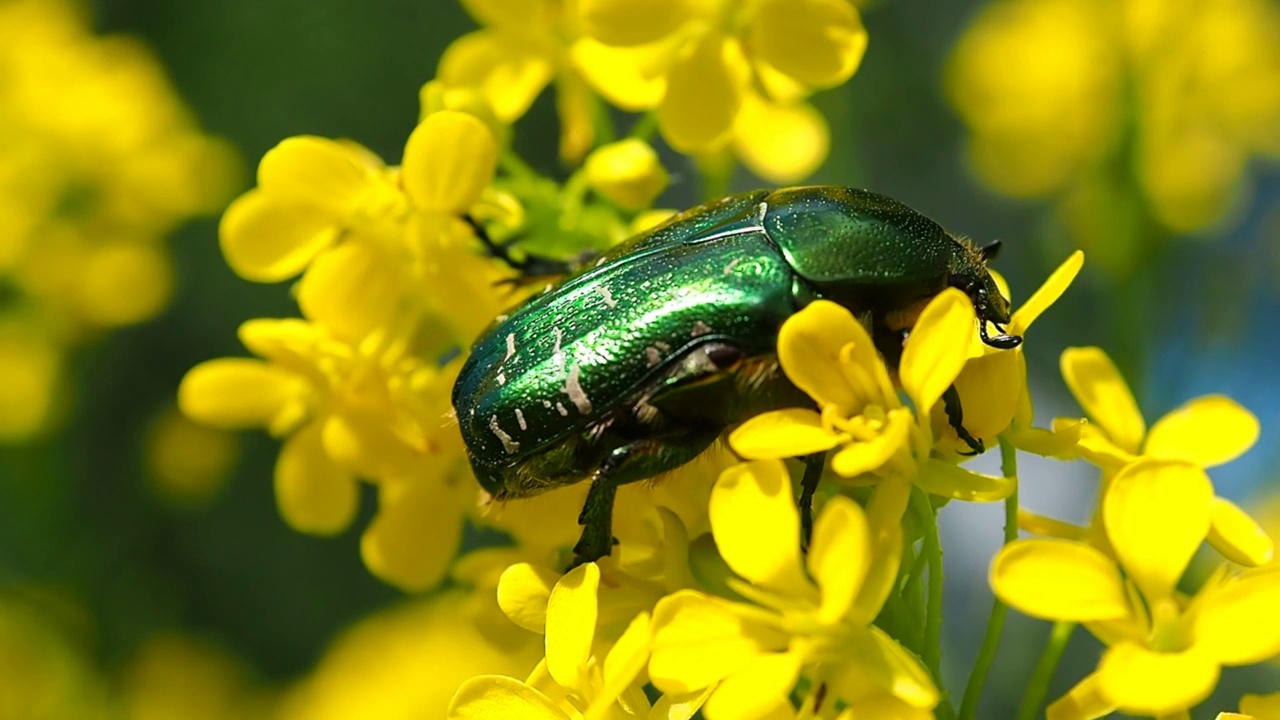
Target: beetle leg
[[638, 460], [955, 417], [813, 466], [532, 268]]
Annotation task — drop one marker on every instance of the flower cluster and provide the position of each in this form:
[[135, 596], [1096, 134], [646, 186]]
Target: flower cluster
[[100, 162], [1142, 113], [723, 595]]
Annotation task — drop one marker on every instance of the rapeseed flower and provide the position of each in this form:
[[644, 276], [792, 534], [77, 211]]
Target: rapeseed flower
[[806, 617], [1165, 650], [1206, 432]]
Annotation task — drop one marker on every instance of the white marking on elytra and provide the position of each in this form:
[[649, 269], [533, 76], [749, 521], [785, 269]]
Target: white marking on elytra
[[501, 318], [561, 409], [511, 346], [511, 446], [557, 355], [653, 355], [573, 388], [502, 378], [699, 328], [606, 295], [762, 208], [546, 404], [662, 346], [520, 419]]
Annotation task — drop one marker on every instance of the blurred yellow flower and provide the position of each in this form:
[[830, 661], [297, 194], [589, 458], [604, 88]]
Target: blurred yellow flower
[[406, 662], [627, 173], [174, 676], [99, 162], [188, 463], [1072, 98], [1165, 651]]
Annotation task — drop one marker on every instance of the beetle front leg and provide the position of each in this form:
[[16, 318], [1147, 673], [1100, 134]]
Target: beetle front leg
[[596, 520], [813, 466], [955, 418], [532, 268]]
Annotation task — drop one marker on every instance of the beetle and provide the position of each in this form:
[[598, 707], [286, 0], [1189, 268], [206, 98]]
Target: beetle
[[634, 365]]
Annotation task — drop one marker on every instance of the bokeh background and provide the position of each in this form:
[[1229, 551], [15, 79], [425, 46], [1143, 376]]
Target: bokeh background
[[122, 591]]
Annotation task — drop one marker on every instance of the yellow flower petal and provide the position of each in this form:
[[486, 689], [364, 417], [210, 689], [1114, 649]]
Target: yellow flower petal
[[626, 172], [122, 283], [938, 348], [1098, 449], [757, 527], [1141, 681], [818, 42], [520, 15], [448, 161], [1059, 580], [781, 143], [1103, 394], [1156, 513], [782, 433], [1082, 702], [623, 22], [1047, 294], [509, 71], [1061, 442], [857, 458], [702, 98], [416, 533], [839, 556], [363, 439], [32, 368], [350, 290], [679, 706], [487, 697], [576, 107], [523, 593], [872, 663], [1237, 536], [629, 77], [989, 387], [1207, 431], [937, 477], [1260, 707], [699, 640], [1237, 623], [314, 495], [625, 661], [236, 393], [757, 690], [809, 349], [316, 171], [266, 239], [571, 624]]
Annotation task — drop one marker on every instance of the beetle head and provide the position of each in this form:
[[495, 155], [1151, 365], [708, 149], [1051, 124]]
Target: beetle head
[[972, 277]]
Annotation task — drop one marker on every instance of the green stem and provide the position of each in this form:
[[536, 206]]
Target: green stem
[[646, 125], [1039, 685], [995, 623], [515, 166], [932, 550]]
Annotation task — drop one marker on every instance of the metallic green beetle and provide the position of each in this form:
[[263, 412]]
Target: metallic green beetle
[[634, 366]]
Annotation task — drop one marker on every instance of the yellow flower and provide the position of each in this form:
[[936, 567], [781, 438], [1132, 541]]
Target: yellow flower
[[811, 618], [176, 676], [1262, 707], [830, 356], [993, 385], [406, 662], [1206, 432], [348, 411], [188, 462], [626, 172], [1063, 97], [1165, 651], [700, 65]]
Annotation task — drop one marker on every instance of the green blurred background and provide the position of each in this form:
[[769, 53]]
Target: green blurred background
[[78, 520]]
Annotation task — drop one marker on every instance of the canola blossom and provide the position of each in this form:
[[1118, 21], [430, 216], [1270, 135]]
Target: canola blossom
[[100, 162], [719, 599]]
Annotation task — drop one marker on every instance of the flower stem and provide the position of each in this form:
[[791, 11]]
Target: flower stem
[[932, 550], [995, 623], [1038, 687]]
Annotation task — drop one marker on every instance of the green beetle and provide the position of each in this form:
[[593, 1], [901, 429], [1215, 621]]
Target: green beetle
[[635, 365]]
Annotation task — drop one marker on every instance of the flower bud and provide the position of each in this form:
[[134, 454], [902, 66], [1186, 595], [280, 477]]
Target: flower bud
[[627, 172]]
